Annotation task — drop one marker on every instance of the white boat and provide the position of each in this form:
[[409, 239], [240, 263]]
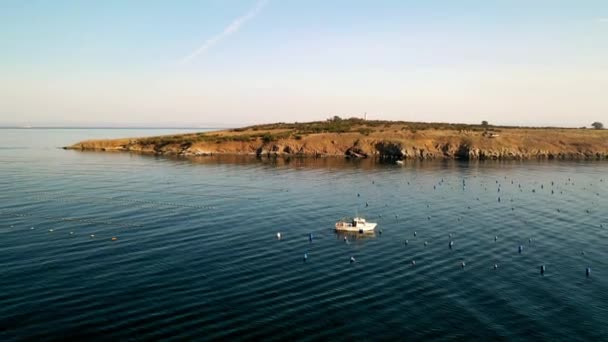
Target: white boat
[[357, 224]]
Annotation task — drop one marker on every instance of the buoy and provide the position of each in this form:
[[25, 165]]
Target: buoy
[[450, 235], [413, 262], [71, 233], [366, 204], [358, 195], [345, 239], [310, 237], [588, 272], [31, 228], [278, 236], [380, 232], [50, 230], [530, 240], [462, 264], [451, 244], [542, 269], [352, 259], [114, 238], [520, 248], [426, 243], [495, 238], [415, 234], [92, 235], [305, 256], [428, 218], [407, 242], [495, 266]]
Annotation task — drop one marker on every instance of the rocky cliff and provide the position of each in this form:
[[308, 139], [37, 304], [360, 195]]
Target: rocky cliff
[[389, 140]]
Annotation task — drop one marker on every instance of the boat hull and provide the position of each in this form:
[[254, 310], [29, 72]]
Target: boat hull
[[368, 227]]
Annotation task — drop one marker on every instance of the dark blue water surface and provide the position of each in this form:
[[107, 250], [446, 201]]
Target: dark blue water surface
[[195, 254]]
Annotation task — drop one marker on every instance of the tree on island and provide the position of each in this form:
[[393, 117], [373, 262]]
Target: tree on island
[[484, 123], [597, 125]]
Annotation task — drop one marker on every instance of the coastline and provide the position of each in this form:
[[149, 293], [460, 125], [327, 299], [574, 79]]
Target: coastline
[[355, 138]]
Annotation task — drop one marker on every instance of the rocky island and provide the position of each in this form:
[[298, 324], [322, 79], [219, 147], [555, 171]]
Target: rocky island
[[357, 138]]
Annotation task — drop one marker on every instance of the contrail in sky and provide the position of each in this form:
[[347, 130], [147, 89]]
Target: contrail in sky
[[234, 26]]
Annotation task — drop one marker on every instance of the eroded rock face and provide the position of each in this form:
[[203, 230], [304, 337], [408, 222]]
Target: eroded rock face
[[384, 149], [390, 150], [355, 152]]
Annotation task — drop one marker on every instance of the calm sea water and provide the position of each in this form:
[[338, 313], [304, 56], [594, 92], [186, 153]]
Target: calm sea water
[[196, 254]]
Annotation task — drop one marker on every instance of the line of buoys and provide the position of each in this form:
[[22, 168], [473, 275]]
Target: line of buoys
[[144, 203], [71, 219]]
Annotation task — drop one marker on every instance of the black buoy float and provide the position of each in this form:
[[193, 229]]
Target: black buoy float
[[462, 264], [495, 266], [542, 269], [588, 272], [305, 256], [352, 259], [406, 242], [451, 244], [310, 237], [521, 248]]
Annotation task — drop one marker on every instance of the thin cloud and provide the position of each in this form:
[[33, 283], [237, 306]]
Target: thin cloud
[[602, 20], [232, 28]]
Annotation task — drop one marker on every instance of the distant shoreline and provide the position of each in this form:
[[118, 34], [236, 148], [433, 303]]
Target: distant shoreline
[[356, 138], [84, 127]]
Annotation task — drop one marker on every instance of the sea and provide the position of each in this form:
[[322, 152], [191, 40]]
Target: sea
[[126, 246]]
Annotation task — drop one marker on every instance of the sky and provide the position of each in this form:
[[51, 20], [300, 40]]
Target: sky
[[240, 62]]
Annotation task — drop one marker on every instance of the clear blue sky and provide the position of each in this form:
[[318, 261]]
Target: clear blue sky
[[538, 62]]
